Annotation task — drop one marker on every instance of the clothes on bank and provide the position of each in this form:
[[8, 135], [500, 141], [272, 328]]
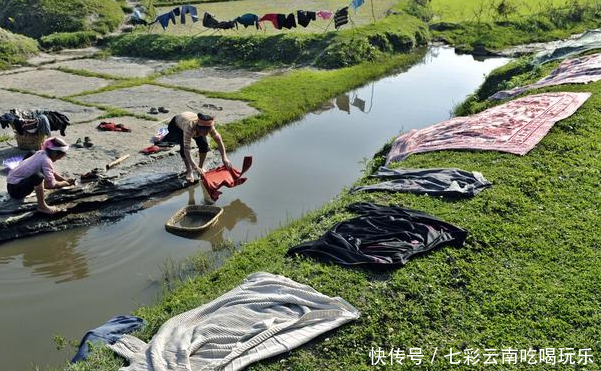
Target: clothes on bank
[[265, 316], [341, 17], [573, 71], [356, 4], [34, 120], [434, 182], [515, 127], [224, 177], [249, 19], [111, 126], [22, 180], [382, 236], [109, 333], [304, 17], [590, 40]]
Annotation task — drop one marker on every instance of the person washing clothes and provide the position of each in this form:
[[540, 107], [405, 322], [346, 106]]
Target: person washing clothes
[[37, 173], [187, 126]]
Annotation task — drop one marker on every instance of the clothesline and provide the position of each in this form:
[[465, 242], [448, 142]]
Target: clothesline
[[279, 20]]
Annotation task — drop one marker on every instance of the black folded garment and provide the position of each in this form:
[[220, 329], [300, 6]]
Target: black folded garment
[[383, 236]]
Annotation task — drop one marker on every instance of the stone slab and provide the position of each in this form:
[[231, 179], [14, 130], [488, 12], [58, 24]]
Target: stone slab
[[50, 82], [141, 98], [215, 78], [116, 66], [76, 113], [63, 55]]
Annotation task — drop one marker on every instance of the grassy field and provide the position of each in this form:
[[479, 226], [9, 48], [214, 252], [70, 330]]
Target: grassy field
[[224, 11], [459, 11], [527, 278]]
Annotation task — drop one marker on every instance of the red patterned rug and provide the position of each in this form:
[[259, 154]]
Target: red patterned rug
[[514, 127]]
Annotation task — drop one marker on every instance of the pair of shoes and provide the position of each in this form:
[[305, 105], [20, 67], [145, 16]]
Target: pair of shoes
[[212, 106], [155, 111], [86, 143]]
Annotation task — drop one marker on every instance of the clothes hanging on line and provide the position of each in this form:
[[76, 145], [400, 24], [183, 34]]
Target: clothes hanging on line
[[209, 21], [189, 9], [273, 18], [264, 316], [224, 177], [176, 11], [324, 14], [382, 236], [341, 17], [305, 17], [343, 103], [109, 332], [249, 19], [286, 21], [434, 182], [359, 103], [164, 19], [356, 4]]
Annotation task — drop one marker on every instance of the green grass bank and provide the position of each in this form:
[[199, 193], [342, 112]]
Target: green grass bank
[[527, 277], [37, 18], [14, 49], [488, 26]]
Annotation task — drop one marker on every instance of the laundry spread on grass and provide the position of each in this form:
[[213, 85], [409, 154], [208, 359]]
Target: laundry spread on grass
[[109, 333], [279, 20], [573, 71], [265, 316], [224, 177], [433, 182], [382, 236], [515, 127], [590, 40]]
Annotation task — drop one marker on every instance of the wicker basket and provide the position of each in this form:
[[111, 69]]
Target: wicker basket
[[31, 142], [208, 214]]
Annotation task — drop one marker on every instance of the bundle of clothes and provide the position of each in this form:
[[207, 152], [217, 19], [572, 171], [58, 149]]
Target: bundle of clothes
[[34, 121], [278, 20]]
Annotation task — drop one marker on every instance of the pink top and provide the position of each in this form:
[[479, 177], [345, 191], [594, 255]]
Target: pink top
[[39, 162], [324, 14]]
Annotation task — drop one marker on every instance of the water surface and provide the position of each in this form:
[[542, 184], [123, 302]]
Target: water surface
[[68, 282]]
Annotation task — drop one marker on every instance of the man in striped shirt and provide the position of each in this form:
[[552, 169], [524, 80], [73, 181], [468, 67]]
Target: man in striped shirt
[[187, 126]]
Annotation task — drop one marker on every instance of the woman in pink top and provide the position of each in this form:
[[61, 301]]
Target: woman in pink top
[[37, 173]]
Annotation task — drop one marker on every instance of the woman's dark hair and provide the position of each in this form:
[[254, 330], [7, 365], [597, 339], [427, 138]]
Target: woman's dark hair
[[204, 117]]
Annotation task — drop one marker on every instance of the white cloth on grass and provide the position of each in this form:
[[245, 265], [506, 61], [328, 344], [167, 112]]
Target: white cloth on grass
[[266, 315]]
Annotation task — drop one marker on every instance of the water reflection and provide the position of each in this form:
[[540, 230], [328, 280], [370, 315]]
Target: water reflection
[[60, 261], [234, 213], [345, 101]]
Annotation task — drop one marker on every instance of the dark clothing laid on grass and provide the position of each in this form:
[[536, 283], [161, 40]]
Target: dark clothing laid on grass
[[305, 17], [383, 236], [109, 332], [435, 182], [341, 17]]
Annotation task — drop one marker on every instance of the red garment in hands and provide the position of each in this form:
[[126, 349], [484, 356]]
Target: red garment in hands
[[222, 176]]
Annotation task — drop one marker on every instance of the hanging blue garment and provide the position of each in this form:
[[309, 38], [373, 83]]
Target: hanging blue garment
[[164, 19], [189, 9], [109, 332], [357, 3]]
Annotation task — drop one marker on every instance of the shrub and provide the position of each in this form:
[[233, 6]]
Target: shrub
[[62, 40], [15, 48]]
